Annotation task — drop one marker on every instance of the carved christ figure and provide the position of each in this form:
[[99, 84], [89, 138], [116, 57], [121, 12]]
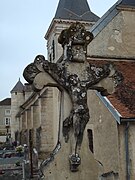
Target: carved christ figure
[[74, 41]]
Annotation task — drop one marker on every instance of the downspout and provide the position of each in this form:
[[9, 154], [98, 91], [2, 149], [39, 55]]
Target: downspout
[[127, 151], [120, 120], [127, 121]]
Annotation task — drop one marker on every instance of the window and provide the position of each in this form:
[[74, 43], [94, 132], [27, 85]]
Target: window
[[53, 50], [7, 121], [7, 112], [50, 58], [90, 138]]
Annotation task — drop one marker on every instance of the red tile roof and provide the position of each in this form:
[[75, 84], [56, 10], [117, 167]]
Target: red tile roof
[[124, 98]]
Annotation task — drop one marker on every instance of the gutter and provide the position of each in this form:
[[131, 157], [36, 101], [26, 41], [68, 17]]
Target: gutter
[[122, 120], [110, 107], [67, 21], [127, 151]]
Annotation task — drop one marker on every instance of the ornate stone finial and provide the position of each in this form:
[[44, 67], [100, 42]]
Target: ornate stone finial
[[74, 41]]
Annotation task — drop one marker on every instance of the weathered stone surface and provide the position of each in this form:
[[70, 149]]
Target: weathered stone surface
[[116, 39], [75, 83]]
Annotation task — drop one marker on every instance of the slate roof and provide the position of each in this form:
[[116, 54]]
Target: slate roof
[[5, 102], [75, 10], [128, 3], [19, 87], [123, 100]]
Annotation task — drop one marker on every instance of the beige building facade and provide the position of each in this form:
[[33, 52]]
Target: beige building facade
[[5, 119]]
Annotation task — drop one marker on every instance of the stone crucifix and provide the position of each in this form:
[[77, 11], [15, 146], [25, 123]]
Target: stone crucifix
[[76, 75]]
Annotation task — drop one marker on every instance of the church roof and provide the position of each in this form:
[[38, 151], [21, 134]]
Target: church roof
[[128, 3], [19, 87], [75, 10], [124, 97], [5, 102]]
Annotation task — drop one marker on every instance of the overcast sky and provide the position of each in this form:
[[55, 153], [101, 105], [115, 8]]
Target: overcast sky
[[23, 24]]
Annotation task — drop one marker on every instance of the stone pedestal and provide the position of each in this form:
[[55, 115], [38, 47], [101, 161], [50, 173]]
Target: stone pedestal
[[59, 168], [57, 165]]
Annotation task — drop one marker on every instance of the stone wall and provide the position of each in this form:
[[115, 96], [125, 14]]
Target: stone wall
[[17, 99], [117, 39], [105, 135]]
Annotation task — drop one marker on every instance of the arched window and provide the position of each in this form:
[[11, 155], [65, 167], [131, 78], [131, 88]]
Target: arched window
[[53, 50], [50, 57]]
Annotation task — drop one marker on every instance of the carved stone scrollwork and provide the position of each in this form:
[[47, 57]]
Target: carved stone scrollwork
[[74, 42], [30, 72]]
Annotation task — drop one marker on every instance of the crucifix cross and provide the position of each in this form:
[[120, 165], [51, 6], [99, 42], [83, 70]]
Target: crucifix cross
[[76, 75]]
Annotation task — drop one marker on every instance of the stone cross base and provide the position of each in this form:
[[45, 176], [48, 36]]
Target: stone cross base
[[60, 167]]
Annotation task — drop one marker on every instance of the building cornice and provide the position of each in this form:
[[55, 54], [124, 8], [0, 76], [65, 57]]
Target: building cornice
[[111, 58], [61, 21]]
